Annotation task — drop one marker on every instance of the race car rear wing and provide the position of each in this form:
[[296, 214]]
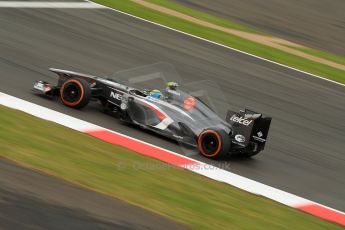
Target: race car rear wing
[[249, 126]]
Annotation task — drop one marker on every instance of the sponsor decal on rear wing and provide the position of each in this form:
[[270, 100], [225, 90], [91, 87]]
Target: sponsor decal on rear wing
[[249, 126]]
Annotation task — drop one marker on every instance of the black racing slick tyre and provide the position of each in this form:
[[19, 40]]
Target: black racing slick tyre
[[75, 93], [214, 143]]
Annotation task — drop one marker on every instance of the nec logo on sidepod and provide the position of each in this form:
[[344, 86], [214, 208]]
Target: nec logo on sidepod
[[116, 96], [240, 120]]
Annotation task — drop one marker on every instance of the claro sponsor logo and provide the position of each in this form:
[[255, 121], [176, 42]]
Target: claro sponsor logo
[[240, 120], [115, 95]]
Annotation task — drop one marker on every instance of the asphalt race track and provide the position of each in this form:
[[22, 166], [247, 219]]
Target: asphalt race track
[[305, 153], [30, 200]]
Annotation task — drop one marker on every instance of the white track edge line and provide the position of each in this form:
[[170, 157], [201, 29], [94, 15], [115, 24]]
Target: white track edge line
[[218, 174], [219, 44], [50, 5]]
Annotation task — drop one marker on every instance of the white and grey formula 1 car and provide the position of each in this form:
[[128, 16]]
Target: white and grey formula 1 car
[[174, 113]]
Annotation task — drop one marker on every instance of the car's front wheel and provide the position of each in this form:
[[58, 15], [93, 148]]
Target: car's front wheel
[[75, 93]]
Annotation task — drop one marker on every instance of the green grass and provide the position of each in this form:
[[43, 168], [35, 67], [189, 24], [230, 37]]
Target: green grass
[[203, 16], [325, 55], [224, 38], [229, 24], [173, 192]]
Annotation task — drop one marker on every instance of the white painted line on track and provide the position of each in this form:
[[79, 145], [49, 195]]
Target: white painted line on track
[[92, 5], [176, 159], [59, 5], [227, 47]]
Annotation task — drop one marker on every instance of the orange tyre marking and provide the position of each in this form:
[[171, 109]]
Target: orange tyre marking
[[63, 87], [200, 143]]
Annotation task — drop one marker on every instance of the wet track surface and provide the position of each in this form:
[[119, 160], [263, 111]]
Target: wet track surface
[[305, 153], [31, 200]]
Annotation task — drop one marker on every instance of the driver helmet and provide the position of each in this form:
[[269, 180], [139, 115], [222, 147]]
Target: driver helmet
[[156, 94], [172, 85]]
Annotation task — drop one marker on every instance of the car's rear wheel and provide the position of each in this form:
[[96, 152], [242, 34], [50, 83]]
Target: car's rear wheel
[[75, 93], [213, 143]]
